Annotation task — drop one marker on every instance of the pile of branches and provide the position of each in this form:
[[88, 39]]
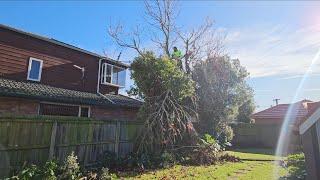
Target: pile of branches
[[166, 122]]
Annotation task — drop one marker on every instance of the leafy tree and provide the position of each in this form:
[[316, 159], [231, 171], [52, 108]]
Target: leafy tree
[[166, 91], [221, 88], [246, 110]]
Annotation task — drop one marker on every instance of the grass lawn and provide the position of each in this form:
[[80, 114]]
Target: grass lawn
[[252, 169]]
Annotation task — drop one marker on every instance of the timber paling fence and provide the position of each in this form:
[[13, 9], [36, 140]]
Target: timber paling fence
[[37, 140], [262, 136]]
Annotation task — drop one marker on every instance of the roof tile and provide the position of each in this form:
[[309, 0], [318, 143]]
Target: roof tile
[[43, 92]]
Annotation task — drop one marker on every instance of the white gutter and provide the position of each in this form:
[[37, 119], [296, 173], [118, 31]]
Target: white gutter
[[310, 121], [98, 84]]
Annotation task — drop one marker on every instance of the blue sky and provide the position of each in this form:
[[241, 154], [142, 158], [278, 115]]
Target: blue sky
[[275, 41]]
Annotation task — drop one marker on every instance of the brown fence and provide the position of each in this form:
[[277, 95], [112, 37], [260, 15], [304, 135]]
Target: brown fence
[[261, 135], [37, 140]]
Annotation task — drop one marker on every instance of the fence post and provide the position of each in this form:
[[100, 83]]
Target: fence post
[[53, 139], [117, 142]]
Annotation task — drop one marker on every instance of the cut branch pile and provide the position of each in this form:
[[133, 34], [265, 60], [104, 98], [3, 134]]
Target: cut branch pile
[[166, 122]]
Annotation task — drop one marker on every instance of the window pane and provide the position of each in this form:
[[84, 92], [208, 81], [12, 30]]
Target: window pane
[[119, 76], [108, 73], [35, 70], [115, 75], [58, 110], [84, 112], [122, 77]]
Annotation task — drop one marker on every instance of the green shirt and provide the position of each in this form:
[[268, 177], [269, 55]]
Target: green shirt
[[177, 54]]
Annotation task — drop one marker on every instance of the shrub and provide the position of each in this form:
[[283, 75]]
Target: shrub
[[48, 171], [225, 136], [70, 168], [296, 166], [106, 175]]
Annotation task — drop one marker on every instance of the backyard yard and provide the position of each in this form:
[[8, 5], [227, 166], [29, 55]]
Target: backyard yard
[[255, 164]]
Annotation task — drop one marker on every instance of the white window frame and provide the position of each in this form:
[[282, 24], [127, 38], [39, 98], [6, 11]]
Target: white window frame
[[104, 75], [29, 69], [89, 110], [65, 104]]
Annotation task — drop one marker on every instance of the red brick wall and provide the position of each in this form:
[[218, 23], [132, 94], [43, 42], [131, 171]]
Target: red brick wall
[[17, 106], [113, 113]]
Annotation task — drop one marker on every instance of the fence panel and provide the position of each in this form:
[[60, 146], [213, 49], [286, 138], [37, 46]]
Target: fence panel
[[261, 135], [37, 140]]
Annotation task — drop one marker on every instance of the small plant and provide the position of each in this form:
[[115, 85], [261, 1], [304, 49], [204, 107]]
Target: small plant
[[48, 172], [70, 169], [225, 136], [167, 159], [296, 166], [31, 172], [106, 175]]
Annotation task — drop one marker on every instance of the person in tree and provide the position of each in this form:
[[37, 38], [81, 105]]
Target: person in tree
[[177, 56]]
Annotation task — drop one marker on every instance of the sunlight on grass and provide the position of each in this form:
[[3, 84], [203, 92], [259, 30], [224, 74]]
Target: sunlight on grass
[[241, 170], [254, 154]]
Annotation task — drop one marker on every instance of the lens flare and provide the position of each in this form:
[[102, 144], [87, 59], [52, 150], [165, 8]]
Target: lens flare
[[286, 128]]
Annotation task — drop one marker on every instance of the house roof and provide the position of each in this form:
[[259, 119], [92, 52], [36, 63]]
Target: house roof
[[299, 110], [33, 90], [57, 42]]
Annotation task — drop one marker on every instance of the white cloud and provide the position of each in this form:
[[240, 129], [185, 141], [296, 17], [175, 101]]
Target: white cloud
[[268, 50]]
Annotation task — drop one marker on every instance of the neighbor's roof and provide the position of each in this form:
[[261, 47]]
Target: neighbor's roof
[[299, 110], [36, 91], [54, 41]]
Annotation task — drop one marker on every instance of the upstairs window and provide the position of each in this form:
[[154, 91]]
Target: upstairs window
[[113, 75], [34, 69]]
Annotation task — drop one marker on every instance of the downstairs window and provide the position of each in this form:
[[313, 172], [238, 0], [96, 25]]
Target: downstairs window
[[64, 110]]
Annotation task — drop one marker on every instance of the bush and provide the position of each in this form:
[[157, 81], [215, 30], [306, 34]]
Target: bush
[[225, 136], [296, 166], [48, 171], [106, 175], [70, 169]]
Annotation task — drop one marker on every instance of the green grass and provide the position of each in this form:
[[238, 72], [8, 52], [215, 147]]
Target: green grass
[[241, 170], [255, 154]]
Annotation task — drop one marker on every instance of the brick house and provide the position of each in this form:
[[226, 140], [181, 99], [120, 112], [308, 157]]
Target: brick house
[[43, 76], [276, 114], [269, 123]]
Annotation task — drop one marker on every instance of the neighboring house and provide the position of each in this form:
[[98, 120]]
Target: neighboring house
[[266, 129], [43, 76], [275, 115]]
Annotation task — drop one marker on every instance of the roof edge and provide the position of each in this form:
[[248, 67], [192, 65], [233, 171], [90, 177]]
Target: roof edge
[[60, 43]]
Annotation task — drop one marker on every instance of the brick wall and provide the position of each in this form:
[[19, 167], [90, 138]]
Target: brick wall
[[113, 113], [18, 106]]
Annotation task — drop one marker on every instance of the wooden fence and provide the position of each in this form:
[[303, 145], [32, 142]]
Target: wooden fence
[[262, 135], [37, 140]]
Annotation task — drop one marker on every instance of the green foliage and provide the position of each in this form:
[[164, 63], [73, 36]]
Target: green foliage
[[296, 166], [246, 110], [48, 171], [221, 89], [70, 169], [167, 111], [153, 76], [106, 175], [225, 135]]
